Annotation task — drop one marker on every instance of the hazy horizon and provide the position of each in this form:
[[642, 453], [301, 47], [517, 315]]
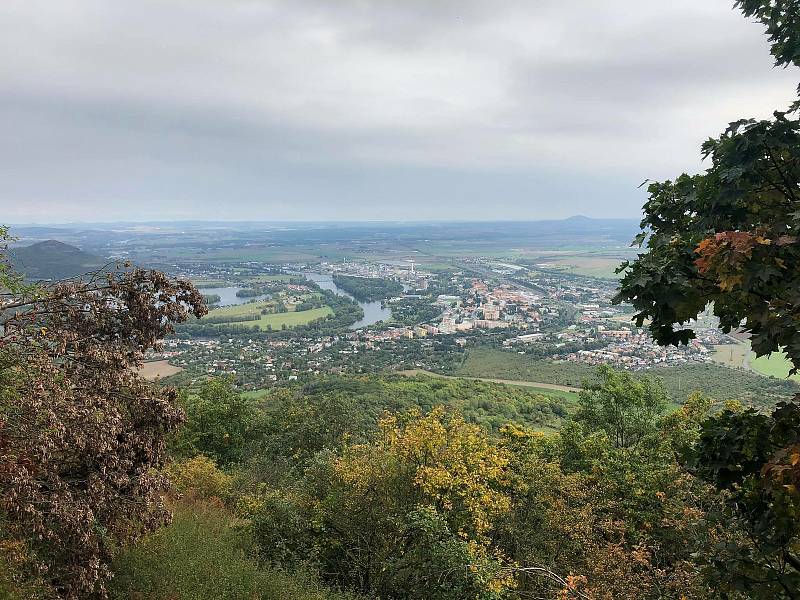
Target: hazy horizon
[[363, 222]]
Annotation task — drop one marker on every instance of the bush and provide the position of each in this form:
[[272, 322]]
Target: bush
[[199, 477], [220, 423]]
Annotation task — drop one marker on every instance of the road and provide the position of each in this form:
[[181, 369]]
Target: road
[[536, 384]]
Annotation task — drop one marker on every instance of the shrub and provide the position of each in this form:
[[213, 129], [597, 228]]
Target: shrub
[[199, 477]]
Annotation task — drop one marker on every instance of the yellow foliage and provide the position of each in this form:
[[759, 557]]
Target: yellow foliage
[[200, 477], [455, 465], [436, 460]]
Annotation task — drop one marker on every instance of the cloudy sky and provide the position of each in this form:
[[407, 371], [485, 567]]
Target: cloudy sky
[[364, 109]]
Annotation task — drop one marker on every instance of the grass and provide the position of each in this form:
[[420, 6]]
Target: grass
[[268, 255], [715, 380], [740, 355], [776, 364], [435, 266], [238, 310], [592, 266], [205, 554], [548, 389], [158, 369], [268, 278], [274, 320], [291, 319], [568, 397], [207, 283]]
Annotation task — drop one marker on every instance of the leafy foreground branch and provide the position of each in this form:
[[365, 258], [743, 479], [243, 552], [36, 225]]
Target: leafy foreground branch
[[82, 436], [729, 238]]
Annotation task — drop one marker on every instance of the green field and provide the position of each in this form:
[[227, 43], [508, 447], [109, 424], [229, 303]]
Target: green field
[[257, 254], [237, 310], [589, 264], [291, 319], [274, 320], [569, 395], [435, 266], [205, 283], [776, 364], [740, 356], [268, 278]]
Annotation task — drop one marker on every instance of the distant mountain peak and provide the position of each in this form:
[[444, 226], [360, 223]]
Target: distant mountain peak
[[52, 259], [55, 245]]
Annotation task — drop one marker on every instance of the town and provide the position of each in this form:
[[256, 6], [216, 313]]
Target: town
[[428, 325]]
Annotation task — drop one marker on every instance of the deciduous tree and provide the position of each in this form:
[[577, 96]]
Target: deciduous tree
[[81, 433], [729, 239]]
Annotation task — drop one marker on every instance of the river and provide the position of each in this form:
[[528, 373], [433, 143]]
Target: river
[[373, 311]]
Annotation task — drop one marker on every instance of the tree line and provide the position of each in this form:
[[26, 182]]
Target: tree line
[[368, 289]]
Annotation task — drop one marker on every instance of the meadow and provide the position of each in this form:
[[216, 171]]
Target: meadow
[[273, 321], [291, 319], [565, 393], [773, 365], [731, 355], [269, 278], [600, 264], [158, 369], [741, 356], [240, 310]]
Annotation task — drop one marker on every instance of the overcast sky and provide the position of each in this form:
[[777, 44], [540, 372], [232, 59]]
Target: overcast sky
[[360, 109]]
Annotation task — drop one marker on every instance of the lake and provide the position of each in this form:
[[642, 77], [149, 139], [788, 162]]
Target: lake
[[373, 311]]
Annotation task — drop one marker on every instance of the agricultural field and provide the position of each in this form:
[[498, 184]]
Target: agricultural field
[[276, 320], [435, 265], [773, 365], [590, 265], [257, 254], [240, 310], [565, 393], [269, 279], [158, 369], [741, 356], [201, 283], [732, 355], [290, 319]]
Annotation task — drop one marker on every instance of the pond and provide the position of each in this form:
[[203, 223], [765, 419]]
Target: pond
[[373, 311]]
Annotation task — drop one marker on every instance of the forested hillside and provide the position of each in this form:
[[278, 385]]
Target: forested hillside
[[53, 260], [722, 383], [376, 486]]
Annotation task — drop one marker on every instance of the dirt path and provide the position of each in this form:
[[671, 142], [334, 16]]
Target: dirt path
[[536, 384]]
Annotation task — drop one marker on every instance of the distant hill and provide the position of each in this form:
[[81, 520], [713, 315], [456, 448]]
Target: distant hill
[[52, 259]]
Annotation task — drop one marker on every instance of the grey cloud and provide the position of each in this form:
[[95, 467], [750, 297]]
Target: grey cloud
[[344, 109]]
